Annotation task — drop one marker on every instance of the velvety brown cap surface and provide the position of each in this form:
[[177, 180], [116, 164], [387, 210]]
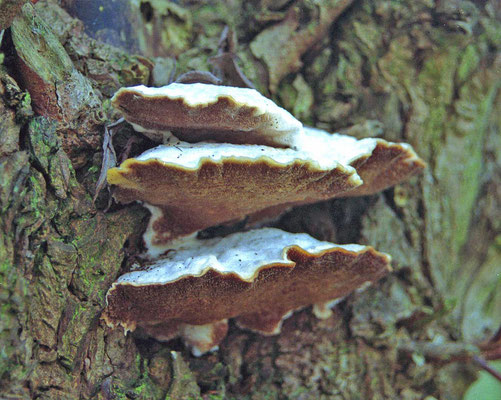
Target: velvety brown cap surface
[[388, 165], [197, 112], [222, 191], [303, 278]]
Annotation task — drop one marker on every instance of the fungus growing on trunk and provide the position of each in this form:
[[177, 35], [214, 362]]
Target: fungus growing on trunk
[[259, 162], [205, 184], [194, 186], [257, 277], [198, 111]]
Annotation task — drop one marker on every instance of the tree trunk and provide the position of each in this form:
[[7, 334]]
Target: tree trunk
[[425, 72]]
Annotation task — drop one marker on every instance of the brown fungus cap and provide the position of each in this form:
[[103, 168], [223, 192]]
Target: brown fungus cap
[[379, 164], [199, 185], [257, 277], [199, 111], [388, 165]]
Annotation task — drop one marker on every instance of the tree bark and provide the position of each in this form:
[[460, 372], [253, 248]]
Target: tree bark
[[423, 72]]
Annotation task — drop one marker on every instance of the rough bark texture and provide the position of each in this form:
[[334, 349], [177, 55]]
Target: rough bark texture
[[427, 72]]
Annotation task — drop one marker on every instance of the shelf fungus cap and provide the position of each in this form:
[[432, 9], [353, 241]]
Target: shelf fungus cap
[[193, 186], [199, 111], [257, 277], [380, 164]]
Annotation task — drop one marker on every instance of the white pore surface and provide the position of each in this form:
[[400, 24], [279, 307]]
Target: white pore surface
[[323, 145], [202, 335], [190, 155], [155, 250], [320, 149], [346, 149], [240, 253], [202, 94]]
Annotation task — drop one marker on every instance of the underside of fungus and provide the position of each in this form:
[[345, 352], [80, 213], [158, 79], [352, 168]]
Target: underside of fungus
[[193, 186], [230, 154], [257, 277], [196, 112]]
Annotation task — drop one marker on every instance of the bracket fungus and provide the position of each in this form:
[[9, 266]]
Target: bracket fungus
[[257, 277], [198, 185], [199, 111], [230, 154]]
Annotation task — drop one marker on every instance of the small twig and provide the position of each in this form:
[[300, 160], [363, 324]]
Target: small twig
[[224, 42], [483, 364], [224, 64], [128, 147], [172, 75], [198, 77], [442, 352], [450, 352], [109, 155], [1, 36], [227, 64]]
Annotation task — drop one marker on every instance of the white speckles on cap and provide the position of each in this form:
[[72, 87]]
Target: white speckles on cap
[[234, 254], [257, 277]]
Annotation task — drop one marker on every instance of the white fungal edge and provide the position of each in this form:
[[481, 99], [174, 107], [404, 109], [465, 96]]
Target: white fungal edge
[[345, 149], [201, 94], [243, 254], [200, 338], [324, 310], [322, 150], [150, 236]]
